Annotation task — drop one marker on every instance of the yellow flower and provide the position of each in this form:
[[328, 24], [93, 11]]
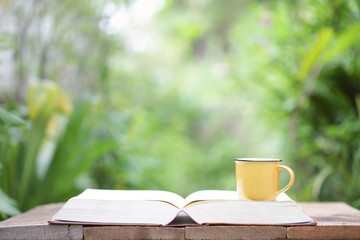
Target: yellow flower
[[47, 95], [64, 103]]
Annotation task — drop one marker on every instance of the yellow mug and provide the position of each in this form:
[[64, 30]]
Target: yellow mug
[[258, 178]]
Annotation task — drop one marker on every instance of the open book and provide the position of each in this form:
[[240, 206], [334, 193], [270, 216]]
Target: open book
[[153, 207]]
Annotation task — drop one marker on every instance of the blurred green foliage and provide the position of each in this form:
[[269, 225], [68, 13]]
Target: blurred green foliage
[[42, 158], [177, 95]]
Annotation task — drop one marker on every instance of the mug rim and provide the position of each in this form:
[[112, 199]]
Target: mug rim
[[257, 160]]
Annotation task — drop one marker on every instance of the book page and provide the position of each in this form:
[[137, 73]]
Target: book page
[[210, 195], [213, 195], [247, 212], [123, 212], [120, 195]]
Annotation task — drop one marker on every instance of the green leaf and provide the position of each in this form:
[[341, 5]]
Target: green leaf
[[32, 146], [344, 41], [7, 205], [325, 35], [9, 119], [319, 180]]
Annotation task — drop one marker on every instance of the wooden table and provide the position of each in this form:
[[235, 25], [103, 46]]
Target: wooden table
[[335, 221]]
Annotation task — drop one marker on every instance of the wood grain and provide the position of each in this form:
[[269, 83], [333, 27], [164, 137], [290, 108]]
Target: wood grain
[[235, 232], [334, 221], [133, 232], [34, 225], [41, 232]]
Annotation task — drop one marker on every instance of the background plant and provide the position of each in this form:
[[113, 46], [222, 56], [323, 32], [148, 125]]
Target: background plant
[[43, 158]]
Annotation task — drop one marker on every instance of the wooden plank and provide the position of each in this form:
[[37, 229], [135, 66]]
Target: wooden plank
[[235, 232], [324, 232], [37, 216], [41, 232], [335, 221], [34, 225], [332, 213], [132, 232]]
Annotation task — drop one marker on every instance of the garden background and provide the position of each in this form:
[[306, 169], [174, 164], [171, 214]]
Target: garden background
[[164, 94]]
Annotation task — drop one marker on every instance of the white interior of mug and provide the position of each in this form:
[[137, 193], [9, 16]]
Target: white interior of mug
[[258, 159]]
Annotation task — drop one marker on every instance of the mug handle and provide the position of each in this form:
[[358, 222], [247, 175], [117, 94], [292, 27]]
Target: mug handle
[[291, 181]]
